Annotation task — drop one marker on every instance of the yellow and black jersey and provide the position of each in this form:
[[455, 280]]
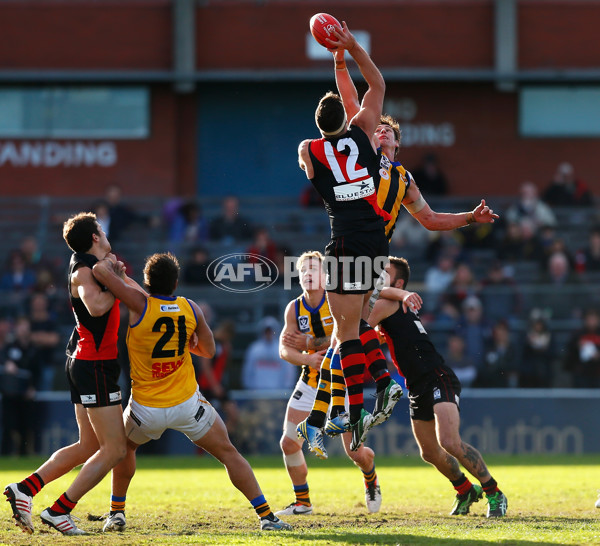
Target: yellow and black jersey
[[393, 184], [317, 322], [162, 373]]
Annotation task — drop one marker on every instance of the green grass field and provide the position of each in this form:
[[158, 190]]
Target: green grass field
[[191, 501]]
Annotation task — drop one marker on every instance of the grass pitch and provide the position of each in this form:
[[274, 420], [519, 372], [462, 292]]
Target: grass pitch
[[190, 501]]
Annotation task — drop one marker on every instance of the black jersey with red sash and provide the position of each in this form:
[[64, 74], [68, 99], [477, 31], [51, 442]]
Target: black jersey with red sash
[[93, 338], [411, 349], [344, 171]]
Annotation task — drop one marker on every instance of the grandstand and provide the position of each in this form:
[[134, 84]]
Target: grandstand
[[297, 229]]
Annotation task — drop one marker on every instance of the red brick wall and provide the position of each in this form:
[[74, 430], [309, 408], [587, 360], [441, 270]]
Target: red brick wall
[[137, 35], [85, 35]]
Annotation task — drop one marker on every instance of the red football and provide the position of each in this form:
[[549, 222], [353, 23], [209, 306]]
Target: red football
[[321, 27]]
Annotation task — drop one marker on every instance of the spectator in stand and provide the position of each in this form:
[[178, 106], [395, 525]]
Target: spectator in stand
[[559, 272], [212, 374], [530, 206], [45, 336], [457, 359], [520, 243], [19, 364], [431, 179], [410, 238], [583, 353], [263, 368], [195, 271], [501, 361], [31, 251], [263, 244], [188, 225], [499, 294], [121, 215], [230, 227], [462, 286], [101, 210], [566, 190], [445, 242], [474, 329], [437, 279], [588, 259], [538, 353], [561, 294], [17, 281]]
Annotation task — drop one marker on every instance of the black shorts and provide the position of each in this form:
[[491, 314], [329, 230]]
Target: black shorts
[[354, 262], [94, 383], [440, 385]]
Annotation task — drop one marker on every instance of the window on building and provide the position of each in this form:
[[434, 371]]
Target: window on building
[[559, 111], [74, 112]]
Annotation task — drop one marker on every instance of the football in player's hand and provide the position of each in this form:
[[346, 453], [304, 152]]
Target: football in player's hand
[[321, 27]]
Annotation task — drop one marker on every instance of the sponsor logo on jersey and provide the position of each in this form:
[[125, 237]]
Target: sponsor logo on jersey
[[385, 162], [437, 395], [303, 323], [352, 286], [170, 308], [384, 174], [354, 190]]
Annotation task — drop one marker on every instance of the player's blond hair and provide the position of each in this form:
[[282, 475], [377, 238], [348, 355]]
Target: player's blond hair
[[307, 256]]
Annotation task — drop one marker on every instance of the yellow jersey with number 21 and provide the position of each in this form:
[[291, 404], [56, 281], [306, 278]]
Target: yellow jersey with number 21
[[162, 373]]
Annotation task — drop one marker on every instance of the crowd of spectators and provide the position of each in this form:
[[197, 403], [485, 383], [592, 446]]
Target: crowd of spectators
[[510, 306]]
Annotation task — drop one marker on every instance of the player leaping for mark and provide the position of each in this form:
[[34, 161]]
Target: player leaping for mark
[[307, 331]]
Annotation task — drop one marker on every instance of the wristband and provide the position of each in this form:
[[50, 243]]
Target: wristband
[[470, 218], [306, 337]]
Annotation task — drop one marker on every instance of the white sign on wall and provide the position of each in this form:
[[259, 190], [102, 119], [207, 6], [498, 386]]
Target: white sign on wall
[[418, 134], [51, 154]]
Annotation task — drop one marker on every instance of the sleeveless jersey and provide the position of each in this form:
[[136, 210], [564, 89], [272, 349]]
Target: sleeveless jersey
[[344, 171], [392, 185], [316, 322], [93, 338], [162, 373], [410, 347]]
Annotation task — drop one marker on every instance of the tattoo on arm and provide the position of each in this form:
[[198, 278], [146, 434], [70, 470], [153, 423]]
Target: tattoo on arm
[[321, 342]]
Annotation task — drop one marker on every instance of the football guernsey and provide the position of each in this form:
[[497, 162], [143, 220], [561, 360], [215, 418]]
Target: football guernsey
[[162, 373], [316, 322], [93, 338], [344, 170]]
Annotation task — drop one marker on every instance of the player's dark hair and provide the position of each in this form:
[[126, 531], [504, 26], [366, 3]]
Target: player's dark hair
[[330, 113], [401, 269], [388, 120], [161, 273], [78, 231]]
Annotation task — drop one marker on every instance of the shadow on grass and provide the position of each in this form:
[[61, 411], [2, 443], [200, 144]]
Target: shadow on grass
[[275, 461]]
